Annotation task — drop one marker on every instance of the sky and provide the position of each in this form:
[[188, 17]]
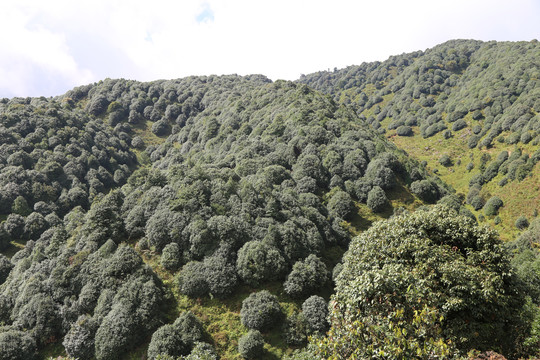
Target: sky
[[47, 47]]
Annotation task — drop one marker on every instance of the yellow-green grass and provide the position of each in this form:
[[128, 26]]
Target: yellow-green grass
[[221, 317], [519, 197]]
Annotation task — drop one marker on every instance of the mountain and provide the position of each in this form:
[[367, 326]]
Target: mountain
[[207, 216], [470, 109]]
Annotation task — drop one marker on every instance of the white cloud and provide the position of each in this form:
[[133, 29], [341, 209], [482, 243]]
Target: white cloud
[[55, 45], [31, 58]]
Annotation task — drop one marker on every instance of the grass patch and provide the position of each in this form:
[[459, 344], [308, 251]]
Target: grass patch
[[519, 197]]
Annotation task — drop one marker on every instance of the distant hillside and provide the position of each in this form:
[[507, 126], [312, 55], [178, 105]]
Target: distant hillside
[[470, 109]]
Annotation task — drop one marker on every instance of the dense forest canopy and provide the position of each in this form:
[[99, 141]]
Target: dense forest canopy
[[132, 211]]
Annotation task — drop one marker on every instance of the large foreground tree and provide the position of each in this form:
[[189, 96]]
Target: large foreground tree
[[425, 284]]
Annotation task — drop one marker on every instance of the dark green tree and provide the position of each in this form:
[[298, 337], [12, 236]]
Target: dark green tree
[[260, 311], [251, 345]]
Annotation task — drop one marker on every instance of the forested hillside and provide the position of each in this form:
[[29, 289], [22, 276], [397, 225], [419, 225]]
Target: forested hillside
[[470, 109], [207, 217]]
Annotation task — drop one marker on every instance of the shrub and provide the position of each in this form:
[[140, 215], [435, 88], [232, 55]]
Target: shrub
[[522, 222], [5, 268], [39, 314], [445, 160], [171, 257], [14, 226], [251, 345], [189, 328], [79, 341], [492, 206], [477, 179], [158, 229], [336, 271], [192, 280], [259, 262], [4, 238], [137, 142], [220, 274], [20, 206], [315, 310], [35, 224], [404, 131], [447, 134], [160, 128], [260, 310], [526, 137], [458, 125], [115, 333], [341, 205], [201, 351], [306, 277], [425, 190], [17, 345], [473, 141], [377, 200], [166, 340], [477, 202]]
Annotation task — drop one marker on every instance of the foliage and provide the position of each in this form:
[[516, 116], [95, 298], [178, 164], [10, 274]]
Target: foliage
[[260, 310], [295, 332], [251, 345], [404, 273], [315, 310], [17, 345], [522, 222], [166, 341], [201, 351], [233, 180], [259, 261], [445, 160], [404, 130], [5, 268], [78, 341], [425, 190], [171, 256], [306, 277], [191, 280], [341, 205], [492, 206], [377, 200]]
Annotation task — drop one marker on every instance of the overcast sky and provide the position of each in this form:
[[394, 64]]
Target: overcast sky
[[49, 47]]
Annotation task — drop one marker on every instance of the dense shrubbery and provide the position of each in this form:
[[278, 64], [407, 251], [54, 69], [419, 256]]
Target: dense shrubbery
[[249, 182], [489, 87], [259, 261], [17, 345], [377, 200], [91, 275]]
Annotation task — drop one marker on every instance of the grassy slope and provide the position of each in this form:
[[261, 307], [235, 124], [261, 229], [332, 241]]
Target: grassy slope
[[520, 198]]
